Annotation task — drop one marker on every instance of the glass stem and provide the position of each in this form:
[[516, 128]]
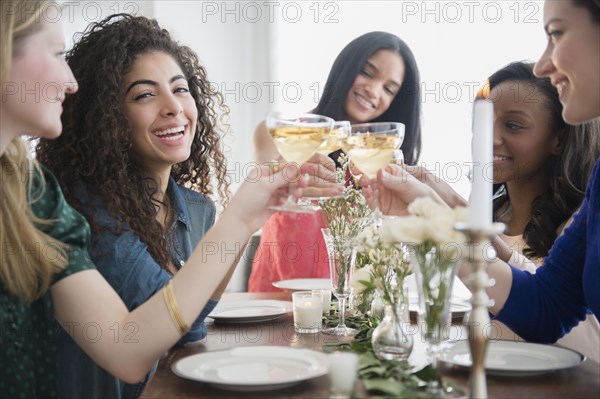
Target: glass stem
[[342, 305]]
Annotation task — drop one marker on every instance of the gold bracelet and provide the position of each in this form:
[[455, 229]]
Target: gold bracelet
[[173, 308]]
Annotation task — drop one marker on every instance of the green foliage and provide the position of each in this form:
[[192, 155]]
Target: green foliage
[[382, 378]]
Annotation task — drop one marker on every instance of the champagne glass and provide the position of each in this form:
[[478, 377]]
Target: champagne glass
[[342, 258], [297, 137], [340, 130], [370, 147], [333, 142]]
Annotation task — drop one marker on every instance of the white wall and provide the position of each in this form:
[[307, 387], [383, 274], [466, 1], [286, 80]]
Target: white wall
[[251, 51], [457, 44]]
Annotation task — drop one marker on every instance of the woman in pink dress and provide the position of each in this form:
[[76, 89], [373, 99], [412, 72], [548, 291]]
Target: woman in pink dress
[[374, 79]]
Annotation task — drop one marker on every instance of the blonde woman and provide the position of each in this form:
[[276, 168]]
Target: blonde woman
[[46, 272]]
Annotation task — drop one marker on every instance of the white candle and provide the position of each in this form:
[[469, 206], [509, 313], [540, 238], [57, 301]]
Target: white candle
[[308, 310], [480, 201], [326, 301], [342, 373]]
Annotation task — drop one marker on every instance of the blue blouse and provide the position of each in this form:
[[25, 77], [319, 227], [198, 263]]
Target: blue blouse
[[545, 306], [123, 259]]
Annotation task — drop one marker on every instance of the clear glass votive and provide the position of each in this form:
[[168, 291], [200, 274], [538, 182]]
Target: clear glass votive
[[342, 374], [308, 311]]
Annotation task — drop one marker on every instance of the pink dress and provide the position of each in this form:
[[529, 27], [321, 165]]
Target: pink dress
[[291, 246]]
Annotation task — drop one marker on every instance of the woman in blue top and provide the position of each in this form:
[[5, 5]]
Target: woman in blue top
[[46, 274], [560, 293], [126, 165], [545, 306]]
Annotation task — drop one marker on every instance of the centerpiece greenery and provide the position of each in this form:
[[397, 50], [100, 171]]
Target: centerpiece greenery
[[387, 266], [435, 249], [384, 378], [345, 216]]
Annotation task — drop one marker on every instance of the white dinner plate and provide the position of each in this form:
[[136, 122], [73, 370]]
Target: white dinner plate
[[458, 309], [512, 358], [253, 368], [301, 284], [252, 311]]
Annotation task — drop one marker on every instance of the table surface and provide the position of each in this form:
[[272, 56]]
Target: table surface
[[582, 381]]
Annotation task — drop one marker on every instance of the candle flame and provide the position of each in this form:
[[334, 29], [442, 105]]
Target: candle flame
[[484, 92]]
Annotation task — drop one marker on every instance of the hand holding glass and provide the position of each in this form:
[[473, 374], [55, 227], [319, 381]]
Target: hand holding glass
[[371, 147], [297, 137]]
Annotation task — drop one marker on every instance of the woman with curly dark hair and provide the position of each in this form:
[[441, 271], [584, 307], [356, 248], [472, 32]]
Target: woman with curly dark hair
[[138, 156], [46, 274]]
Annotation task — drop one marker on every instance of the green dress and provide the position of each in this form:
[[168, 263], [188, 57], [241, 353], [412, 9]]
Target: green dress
[[28, 357]]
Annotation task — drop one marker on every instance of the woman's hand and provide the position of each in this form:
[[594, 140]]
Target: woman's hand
[[320, 173], [265, 186], [394, 189], [437, 184]]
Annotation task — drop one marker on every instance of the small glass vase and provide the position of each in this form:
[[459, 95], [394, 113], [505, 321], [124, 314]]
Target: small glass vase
[[390, 339], [435, 270]]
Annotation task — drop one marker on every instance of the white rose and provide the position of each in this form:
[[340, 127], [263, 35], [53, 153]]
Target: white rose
[[461, 214], [362, 274], [426, 207], [408, 229]]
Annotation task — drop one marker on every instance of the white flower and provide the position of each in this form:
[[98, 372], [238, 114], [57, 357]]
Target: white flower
[[362, 274], [441, 229], [426, 207], [368, 238], [461, 214], [408, 229]]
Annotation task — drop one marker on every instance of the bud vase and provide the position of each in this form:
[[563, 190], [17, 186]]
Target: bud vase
[[390, 340]]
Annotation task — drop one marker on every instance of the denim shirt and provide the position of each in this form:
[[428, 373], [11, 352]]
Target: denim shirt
[[124, 261]]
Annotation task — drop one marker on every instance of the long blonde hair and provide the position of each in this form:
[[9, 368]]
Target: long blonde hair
[[25, 271]]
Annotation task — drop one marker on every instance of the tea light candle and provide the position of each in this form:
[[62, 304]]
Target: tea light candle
[[480, 201], [308, 310], [342, 374], [326, 301]]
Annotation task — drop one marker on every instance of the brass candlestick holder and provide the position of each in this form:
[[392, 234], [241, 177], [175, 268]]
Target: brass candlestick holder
[[478, 241]]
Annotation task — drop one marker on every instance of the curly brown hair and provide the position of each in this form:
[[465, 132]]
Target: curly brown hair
[[95, 147]]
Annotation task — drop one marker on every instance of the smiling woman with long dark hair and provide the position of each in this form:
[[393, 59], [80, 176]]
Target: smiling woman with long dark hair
[[374, 79]]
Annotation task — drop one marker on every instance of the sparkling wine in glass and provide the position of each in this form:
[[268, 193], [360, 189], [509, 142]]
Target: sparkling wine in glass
[[297, 137], [340, 130], [371, 146], [333, 142]]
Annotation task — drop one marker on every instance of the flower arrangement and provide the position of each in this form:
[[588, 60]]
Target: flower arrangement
[[435, 249], [388, 266], [385, 276], [345, 216]]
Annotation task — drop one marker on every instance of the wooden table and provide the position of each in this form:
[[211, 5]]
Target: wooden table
[[582, 381]]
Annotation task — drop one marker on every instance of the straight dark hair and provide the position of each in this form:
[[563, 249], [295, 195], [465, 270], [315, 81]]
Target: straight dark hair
[[592, 6], [579, 148], [406, 106]]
